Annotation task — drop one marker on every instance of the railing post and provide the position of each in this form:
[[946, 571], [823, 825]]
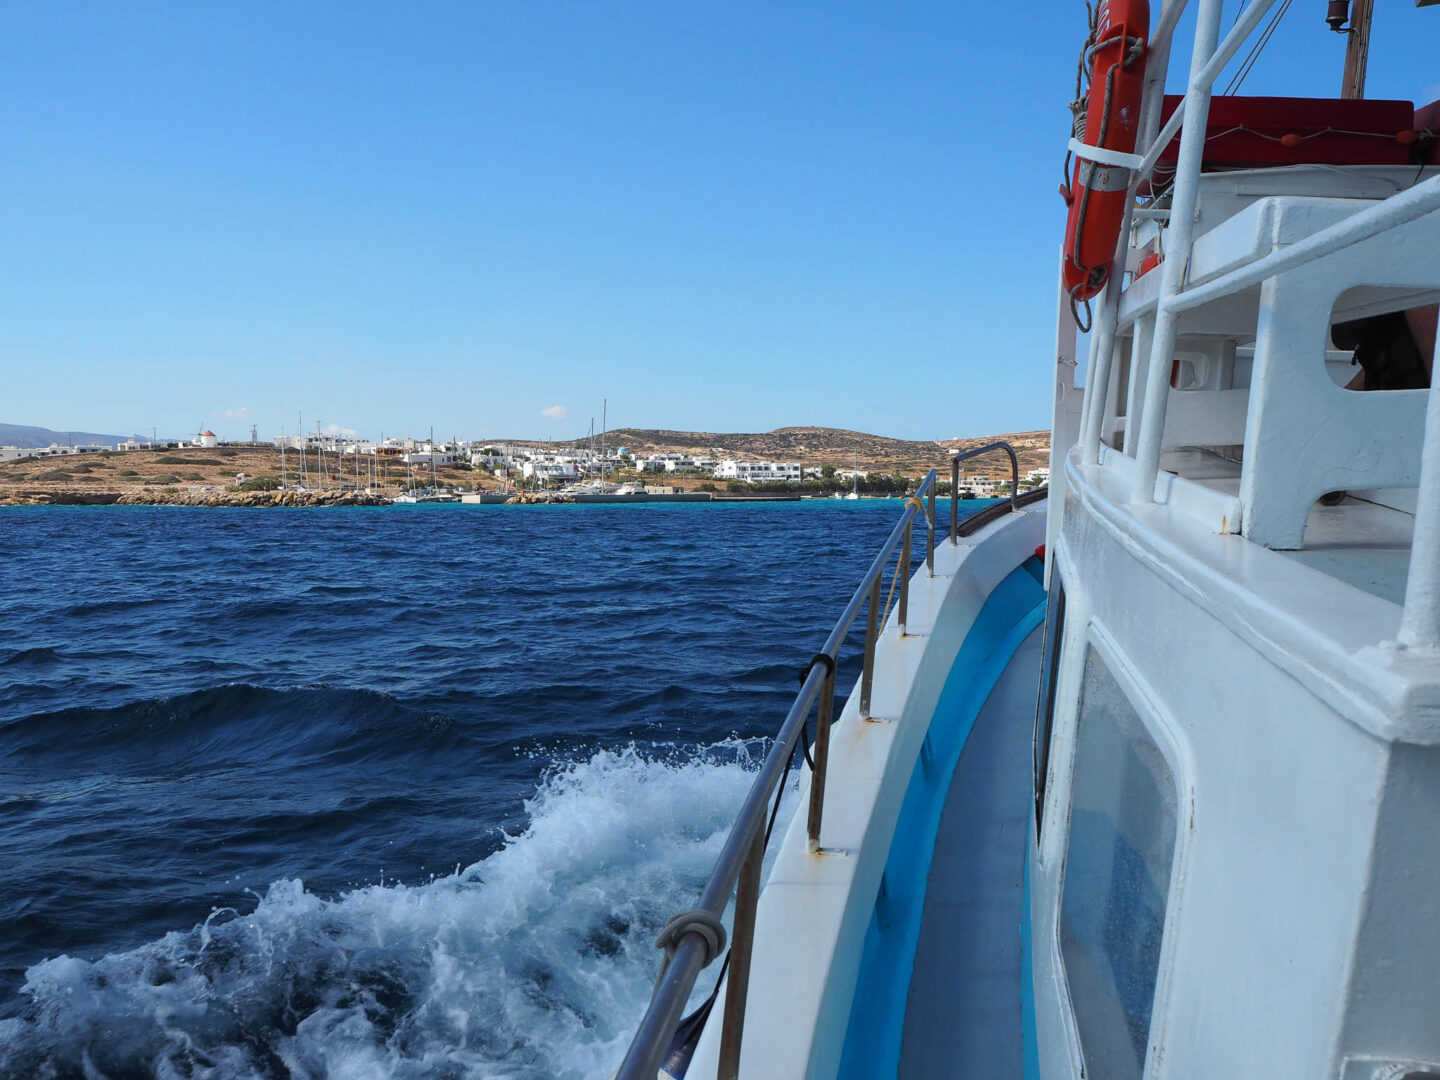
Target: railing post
[[955, 501], [930, 533], [1172, 271], [903, 569], [823, 714], [742, 940], [872, 631]]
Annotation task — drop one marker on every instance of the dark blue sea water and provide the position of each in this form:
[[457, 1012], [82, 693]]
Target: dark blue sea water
[[393, 792]]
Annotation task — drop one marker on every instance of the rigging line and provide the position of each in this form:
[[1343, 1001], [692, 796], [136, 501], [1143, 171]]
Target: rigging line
[[1231, 84], [1238, 12], [1250, 57], [1253, 56], [1284, 7], [1255, 49]]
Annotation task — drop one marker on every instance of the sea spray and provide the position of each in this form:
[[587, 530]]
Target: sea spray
[[536, 961]]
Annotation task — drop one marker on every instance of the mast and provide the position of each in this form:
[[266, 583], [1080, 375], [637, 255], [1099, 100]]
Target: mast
[[1357, 49], [604, 407], [432, 457], [282, 460]]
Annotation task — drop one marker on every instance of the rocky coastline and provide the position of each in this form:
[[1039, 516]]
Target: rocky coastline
[[239, 499]]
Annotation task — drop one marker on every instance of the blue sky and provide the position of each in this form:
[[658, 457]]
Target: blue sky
[[487, 217]]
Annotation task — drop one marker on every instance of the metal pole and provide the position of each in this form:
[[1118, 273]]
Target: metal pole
[[930, 533], [821, 756], [955, 501], [1410, 204], [651, 1040], [1170, 13], [737, 985], [1182, 230], [867, 672], [903, 569], [1357, 50], [1247, 22]]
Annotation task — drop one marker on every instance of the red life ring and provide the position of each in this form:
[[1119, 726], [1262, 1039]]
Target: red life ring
[[1098, 193]]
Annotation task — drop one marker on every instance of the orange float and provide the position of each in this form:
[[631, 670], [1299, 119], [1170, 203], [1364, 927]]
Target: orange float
[[1098, 193]]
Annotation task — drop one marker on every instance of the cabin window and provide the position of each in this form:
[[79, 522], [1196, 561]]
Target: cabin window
[[1049, 669], [1117, 876]]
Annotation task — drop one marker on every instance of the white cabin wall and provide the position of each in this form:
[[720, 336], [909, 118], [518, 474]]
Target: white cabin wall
[[1393, 996], [1271, 864]]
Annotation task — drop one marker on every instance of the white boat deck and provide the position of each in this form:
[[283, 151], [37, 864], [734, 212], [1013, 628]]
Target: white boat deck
[[1361, 542], [962, 1016]]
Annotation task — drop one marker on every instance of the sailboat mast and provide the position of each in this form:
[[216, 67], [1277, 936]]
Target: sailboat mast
[[1357, 49], [604, 407]]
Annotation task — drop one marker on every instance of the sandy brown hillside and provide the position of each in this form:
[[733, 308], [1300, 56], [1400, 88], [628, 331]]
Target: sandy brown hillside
[[833, 446]]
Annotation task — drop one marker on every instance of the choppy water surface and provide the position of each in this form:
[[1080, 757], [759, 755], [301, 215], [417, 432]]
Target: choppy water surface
[[392, 792]]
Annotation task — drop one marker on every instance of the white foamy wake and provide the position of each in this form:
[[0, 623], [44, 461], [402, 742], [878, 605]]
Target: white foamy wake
[[534, 962]]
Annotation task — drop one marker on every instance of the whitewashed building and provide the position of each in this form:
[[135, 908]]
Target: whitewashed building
[[561, 469], [757, 472], [423, 457]]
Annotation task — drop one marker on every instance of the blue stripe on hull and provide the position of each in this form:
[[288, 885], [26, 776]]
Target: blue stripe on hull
[[877, 1020]]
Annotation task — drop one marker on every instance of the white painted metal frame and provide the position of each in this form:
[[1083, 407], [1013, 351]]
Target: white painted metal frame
[[1420, 628]]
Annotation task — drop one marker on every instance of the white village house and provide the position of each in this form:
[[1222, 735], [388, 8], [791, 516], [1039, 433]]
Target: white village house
[[755, 472]]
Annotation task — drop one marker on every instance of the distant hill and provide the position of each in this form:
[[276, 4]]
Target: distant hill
[[22, 435], [787, 441], [827, 446]]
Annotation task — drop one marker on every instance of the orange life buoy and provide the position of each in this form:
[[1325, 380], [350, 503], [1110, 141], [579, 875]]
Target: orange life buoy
[[1098, 193]]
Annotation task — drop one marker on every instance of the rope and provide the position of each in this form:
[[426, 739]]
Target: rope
[[1081, 104], [1083, 325], [698, 921], [769, 828]]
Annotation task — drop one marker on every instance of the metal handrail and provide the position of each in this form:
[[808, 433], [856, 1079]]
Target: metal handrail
[[999, 444], [740, 859]]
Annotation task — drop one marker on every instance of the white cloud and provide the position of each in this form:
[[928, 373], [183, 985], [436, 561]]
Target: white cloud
[[241, 413], [343, 432], [555, 412]]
